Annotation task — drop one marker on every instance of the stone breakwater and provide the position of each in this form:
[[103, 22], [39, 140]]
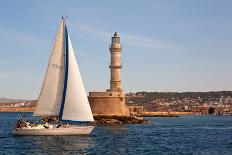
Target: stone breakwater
[[119, 120]]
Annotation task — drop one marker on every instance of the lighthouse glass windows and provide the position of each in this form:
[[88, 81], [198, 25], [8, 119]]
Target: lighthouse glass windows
[[115, 40]]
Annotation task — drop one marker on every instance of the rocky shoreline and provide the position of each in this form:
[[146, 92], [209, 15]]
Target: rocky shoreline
[[119, 120]]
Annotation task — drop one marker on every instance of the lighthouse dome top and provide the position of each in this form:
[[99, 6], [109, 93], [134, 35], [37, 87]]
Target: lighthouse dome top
[[116, 34], [115, 41]]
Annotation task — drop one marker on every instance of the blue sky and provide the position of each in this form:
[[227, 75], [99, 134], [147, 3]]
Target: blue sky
[[171, 45]]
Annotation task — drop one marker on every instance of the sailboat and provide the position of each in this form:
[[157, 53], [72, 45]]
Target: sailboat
[[62, 95]]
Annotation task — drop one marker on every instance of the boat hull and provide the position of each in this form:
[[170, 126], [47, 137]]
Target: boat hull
[[72, 130]]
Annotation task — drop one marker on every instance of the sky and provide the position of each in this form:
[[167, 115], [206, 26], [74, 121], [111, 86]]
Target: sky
[[168, 45]]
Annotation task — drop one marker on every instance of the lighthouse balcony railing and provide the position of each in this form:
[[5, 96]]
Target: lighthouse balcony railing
[[115, 66]]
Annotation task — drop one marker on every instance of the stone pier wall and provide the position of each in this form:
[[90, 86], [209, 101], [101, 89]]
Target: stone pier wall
[[108, 103]]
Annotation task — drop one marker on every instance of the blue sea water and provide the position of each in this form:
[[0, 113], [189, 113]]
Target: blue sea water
[[206, 135]]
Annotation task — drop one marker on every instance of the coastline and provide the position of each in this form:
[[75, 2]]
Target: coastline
[[144, 114], [166, 114], [26, 109]]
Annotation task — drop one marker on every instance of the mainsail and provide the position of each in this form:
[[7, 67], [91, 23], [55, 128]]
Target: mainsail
[[63, 93], [50, 97]]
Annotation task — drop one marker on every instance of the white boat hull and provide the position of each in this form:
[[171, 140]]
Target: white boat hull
[[72, 130]]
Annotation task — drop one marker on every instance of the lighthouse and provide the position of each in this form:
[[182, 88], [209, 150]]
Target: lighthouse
[[115, 65], [112, 101]]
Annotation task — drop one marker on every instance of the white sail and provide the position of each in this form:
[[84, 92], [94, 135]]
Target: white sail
[[50, 97], [76, 106]]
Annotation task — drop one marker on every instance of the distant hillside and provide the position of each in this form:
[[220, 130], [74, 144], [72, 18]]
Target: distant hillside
[[175, 101], [10, 100], [144, 97], [19, 103]]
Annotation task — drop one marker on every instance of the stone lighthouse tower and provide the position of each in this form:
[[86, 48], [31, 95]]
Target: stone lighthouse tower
[[111, 102], [115, 66]]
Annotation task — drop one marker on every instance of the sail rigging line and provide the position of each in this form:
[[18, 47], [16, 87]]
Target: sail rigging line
[[66, 74]]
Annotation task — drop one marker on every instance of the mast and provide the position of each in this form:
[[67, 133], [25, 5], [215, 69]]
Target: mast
[[66, 70]]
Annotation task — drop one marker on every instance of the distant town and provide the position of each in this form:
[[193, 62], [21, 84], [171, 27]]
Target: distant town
[[217, 103], [14, 105]]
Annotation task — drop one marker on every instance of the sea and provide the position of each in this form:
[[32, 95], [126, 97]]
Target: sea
[[206, 135]]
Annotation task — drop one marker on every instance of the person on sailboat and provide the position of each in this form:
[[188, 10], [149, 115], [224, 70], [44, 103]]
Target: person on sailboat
[[21, 123], [48, 119]]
